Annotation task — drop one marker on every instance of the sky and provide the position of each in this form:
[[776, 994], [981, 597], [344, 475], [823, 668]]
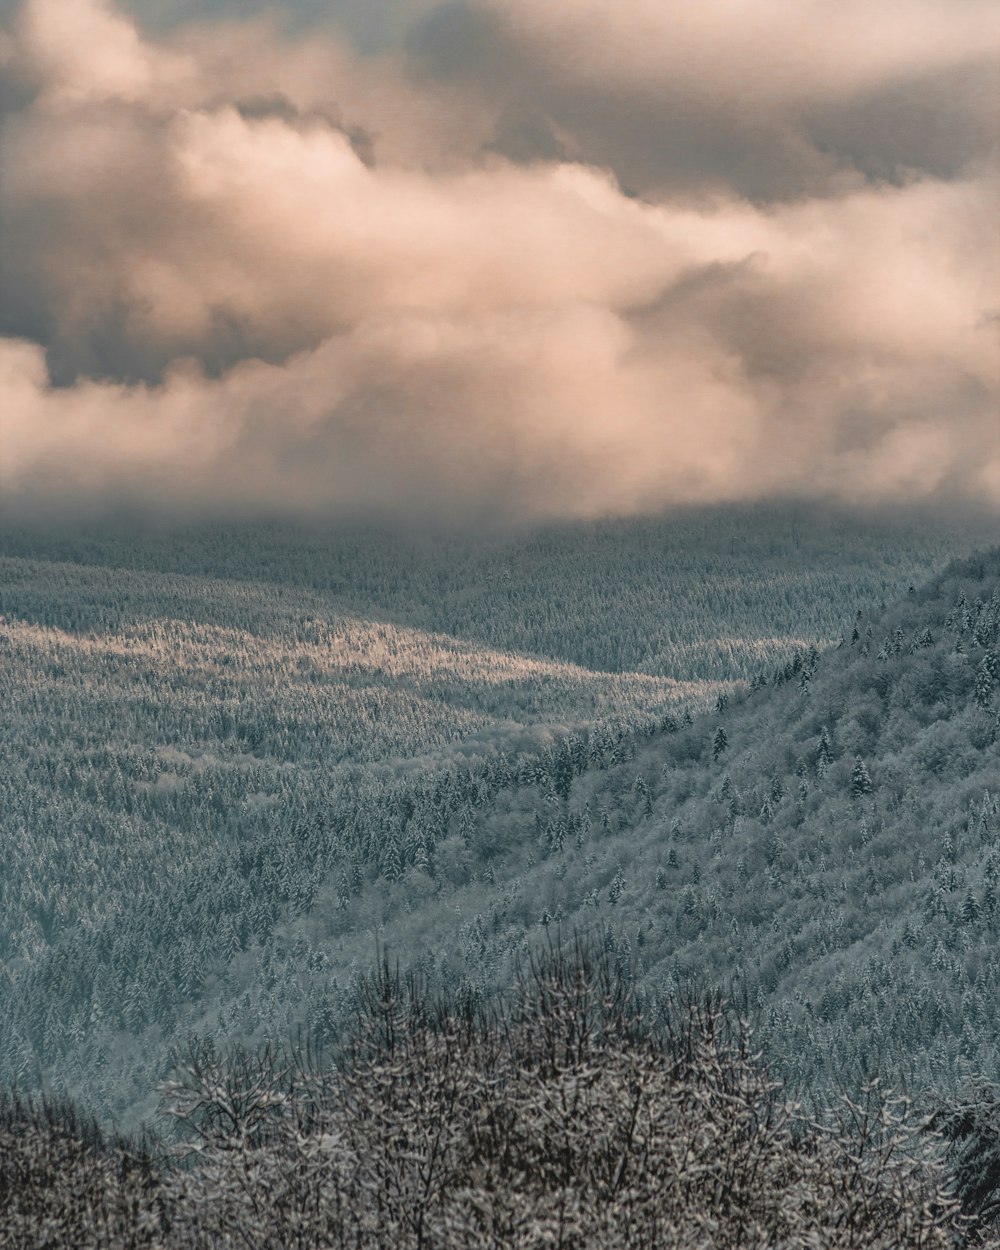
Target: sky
[[497, 260]]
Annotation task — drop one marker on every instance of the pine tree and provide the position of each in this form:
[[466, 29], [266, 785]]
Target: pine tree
[[562, 770], [986, 676], [861, 782], [824, 754], [719, 743]]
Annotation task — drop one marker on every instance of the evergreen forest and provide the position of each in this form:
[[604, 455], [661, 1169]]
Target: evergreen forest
[[266, 788]]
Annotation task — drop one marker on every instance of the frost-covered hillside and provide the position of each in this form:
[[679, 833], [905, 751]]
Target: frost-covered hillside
[[233, 760]]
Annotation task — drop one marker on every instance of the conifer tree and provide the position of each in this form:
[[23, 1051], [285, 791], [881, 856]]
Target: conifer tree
[[861, 782], [824, 755], [986, 676]]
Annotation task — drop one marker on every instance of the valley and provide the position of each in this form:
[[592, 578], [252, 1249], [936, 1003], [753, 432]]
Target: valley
[[222, 793]]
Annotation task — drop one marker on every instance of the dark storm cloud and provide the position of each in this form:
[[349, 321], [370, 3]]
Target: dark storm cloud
[[757, 98]]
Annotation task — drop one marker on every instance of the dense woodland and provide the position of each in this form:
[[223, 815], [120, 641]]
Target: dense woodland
[[235, 764]]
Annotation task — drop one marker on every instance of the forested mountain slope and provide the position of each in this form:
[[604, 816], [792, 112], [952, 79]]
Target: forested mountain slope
[[219, 792], [829, 844]]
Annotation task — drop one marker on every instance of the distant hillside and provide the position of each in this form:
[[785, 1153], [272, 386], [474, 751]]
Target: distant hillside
[[705, 594]]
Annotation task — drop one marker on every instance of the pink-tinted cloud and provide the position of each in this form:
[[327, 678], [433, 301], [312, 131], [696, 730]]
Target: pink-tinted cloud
[[249, 271]]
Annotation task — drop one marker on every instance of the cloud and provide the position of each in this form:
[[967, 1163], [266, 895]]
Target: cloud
[[763, 51], [257, 270], [768, 99]]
